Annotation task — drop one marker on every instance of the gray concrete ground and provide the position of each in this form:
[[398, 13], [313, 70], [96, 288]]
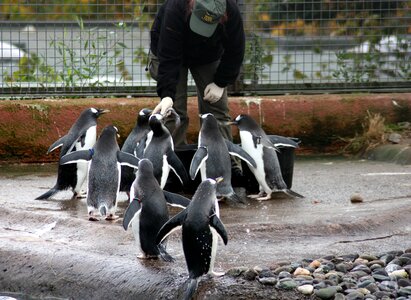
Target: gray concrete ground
[[49, 248]]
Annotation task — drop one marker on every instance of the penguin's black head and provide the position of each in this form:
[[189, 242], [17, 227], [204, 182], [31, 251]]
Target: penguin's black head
[[144, 115], [97, 112], [209, 121], [145, 166], [156, 124], [110, 131], [244, 121]]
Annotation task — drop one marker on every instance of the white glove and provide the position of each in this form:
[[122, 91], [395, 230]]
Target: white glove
[[165, 104], [213, 93]]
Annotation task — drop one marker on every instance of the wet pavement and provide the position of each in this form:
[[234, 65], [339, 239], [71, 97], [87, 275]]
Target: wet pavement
[[53, 244]]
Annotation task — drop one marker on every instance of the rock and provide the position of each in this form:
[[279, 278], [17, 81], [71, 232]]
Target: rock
[[283, 268], [339, 296], [363, 268], [376, 262], [267, 280], [250, 274], [342, 267], [306, 289], [265, 273], [315, 264], [356, 198], [301, 271], [368, 257], [372, 287], [402, 282], [284, 274], [355, 295], [394, 138], [326, 293], [286, 284], [405, 291], [398, 274], [392, 267], [363, 291], [235, 272]]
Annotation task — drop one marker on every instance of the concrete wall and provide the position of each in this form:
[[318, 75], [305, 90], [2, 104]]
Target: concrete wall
[[29, 127]]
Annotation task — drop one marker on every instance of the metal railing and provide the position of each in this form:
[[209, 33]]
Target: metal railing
[[91, 47]]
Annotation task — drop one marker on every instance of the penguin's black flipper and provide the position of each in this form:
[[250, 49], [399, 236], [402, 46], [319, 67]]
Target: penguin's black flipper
[[48, 194], [171, 225], [177, 166], [176, 199], [127, 159], [131, 212], [216, 223], [198, 159], [73, 157], [164, 254], [281, 141], [292, 193], [141, 145], [236, 150], [57, 144]]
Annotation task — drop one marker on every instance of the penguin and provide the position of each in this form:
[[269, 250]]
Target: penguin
[[139, 131], [201, 226], [82, 135], [104, 173], [259, 146], [148, 212], [212, 158], [159, 149]]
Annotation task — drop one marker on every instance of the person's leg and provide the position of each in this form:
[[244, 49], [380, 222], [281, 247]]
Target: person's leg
[[180, 106], [180, 102], [203, 75]]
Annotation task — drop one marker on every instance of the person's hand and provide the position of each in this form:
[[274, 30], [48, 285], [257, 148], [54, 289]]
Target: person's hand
[[165, 104], [213, 93]]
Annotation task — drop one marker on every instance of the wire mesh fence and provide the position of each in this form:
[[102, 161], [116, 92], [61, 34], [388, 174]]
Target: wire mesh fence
[[96, 47]]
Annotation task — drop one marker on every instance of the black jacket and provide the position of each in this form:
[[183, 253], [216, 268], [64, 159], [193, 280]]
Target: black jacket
[[175, 45]]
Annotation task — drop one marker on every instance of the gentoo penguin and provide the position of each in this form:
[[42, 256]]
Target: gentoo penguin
[[212, 157], [259, 146], [82, 135], [139, 131], [159, 149], [104, 173], [148, 211], [200, 229]]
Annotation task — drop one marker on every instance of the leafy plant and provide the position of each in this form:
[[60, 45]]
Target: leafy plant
[[257, 56], [82, 64]]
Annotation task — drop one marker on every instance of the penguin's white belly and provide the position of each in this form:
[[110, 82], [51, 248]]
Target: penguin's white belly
[[257, 154], [165, 171], [213, 249], [82, 167], [135, 227]]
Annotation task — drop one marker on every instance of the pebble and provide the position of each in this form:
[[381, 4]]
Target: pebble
[[306, 289], [354, 276]]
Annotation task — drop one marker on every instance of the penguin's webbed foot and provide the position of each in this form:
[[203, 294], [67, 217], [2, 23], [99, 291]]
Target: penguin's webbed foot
[[93, 218], [112, 217], [267, 197], [256, 196], [80, 195], [145, 256]]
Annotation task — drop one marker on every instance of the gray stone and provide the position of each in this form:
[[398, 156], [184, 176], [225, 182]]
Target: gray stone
[[339, 296], [379, 277], [342, 267], [266, 273], [392, 267], [405, 291], [267, 280], [355, 295], [286, 284], [364, 283], [284, 274], [394, 138], [250, 274], [235, 272], [326, 293], [376, 262], [283, 268], [363, 268], [402, 282], [368, 257], [372, 287]]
